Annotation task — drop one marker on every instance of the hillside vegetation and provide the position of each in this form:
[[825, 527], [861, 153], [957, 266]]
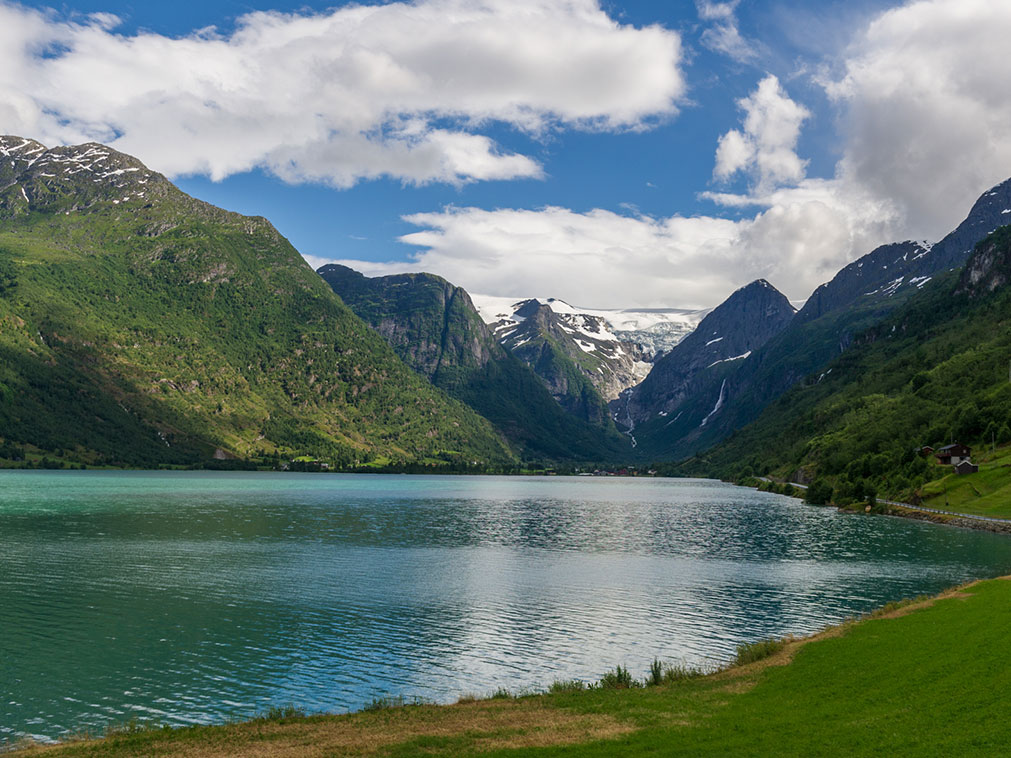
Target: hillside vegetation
[[935, 371], [139, 326], [858, 297], [435, 328], [894, 682]]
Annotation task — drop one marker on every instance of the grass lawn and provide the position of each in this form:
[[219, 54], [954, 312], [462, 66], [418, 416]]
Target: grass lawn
[[927, 678], [985, 493]]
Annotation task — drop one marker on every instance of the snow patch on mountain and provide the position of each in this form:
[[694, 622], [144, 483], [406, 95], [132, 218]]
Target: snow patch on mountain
[[719, 404], [655, 330]]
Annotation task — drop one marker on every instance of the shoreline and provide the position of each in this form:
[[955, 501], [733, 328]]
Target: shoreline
[[892, 508], [991, 567], [962, 521], [607, 715], [906, 511]]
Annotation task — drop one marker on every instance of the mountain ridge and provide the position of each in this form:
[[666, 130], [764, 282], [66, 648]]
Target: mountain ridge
[[435, 328], [142, 326], [860, 295], [692, 377], [932, 372]]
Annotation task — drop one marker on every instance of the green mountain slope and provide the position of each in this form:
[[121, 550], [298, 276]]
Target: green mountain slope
[[434, 327], [859, 296], [933, 372], [141, 326]]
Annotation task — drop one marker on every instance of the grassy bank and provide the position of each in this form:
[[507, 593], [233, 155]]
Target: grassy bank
[[902, 681], [985, 493]]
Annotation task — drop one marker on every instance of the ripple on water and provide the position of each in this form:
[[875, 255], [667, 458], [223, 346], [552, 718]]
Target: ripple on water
[[189, 597]]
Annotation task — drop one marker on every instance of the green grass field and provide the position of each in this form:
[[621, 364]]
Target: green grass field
[[924, 679]]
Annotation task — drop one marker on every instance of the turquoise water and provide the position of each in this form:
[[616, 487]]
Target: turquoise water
[[197, 597]]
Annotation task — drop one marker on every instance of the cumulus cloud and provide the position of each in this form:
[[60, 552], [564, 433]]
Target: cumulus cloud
[[595, 258], [924, 103], [923, 107], [400, 89], [409, 89], [798, 239], [927, 105], [767, 146]]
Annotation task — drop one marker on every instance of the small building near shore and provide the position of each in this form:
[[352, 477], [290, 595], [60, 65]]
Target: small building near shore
[[952, 455], [966, 467]]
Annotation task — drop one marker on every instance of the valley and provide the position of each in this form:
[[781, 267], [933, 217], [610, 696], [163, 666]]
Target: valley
[[200, 337], [504, 378]]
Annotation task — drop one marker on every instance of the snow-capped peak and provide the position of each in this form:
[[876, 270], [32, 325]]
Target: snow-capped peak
[[656, 329]]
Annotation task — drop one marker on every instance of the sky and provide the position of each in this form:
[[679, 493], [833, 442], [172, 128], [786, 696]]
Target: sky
[[612, 153]]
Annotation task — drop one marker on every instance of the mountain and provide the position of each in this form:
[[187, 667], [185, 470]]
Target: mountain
[[687, 386], [435, 328], [431, 324], [652, 330], [581, 356], [142, 326], [934, 371], [861, 295], [989, 267]]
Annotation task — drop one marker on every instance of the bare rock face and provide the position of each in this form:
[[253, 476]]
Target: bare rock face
[[748, 319], [989, 267], [547, 408], [610, 364], [572, 348], [431, 323]]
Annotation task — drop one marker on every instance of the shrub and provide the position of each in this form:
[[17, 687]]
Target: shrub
[[682, 672], [282, 712], [619, 679], [749, 652], [1004, 435], [393, 701], [655, 673], [8, 276]]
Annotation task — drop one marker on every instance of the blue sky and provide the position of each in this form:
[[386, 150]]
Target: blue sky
[[809, 193]]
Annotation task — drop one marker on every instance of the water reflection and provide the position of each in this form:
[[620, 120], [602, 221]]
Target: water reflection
[[194, 597]]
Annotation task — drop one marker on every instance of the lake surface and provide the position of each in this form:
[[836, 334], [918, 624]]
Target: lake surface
[[197, 597]]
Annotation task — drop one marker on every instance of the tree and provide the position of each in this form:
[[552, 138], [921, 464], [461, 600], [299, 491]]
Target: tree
[[819, 493], [8, 276], [871, 493]]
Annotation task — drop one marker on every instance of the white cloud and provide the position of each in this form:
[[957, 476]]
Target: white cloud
[[926, 92], [767, 146], [723, 36], [409, 89], [924, 102], [597, 258], [401, 89], [799, 238]]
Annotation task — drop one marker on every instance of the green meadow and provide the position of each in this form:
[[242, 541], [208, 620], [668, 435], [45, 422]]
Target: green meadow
[[926, 677]]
